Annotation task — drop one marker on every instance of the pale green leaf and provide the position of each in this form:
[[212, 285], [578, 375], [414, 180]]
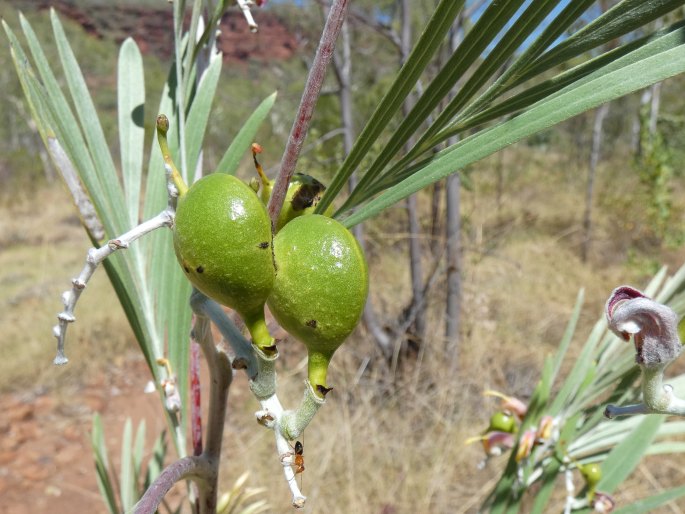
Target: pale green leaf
[[131, 114], [196, 123], [626, 455], [102, 466], [245, 137], [126, 474], [92, 130]]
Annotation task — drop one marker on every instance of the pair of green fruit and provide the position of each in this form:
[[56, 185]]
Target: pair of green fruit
[[312, 274]]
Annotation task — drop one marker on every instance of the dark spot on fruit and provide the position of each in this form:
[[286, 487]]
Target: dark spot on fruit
[[311, 323], [200, 269], [264, 245], [185, 268]]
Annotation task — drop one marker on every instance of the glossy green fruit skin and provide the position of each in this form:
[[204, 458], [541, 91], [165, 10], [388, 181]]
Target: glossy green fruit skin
[[592, 473], [321, 286], [502, 421], [303, 194], [222, 239]]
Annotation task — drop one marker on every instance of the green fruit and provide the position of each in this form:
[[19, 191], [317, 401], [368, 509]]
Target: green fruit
[[303, 194], [222, 239], [502, 421], [592, 473], [320, 288]]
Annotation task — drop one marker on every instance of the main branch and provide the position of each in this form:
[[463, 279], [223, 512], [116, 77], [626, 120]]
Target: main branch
[[310, 95]]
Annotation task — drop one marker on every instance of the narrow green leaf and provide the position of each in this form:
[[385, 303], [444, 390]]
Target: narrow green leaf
[[651, 503], [488, 26], [568, 335], [138, 454], [542, 115], [425, 48], [63, 122], [245, 137], [624, 55], [97, 439], [555, 28], [621, 19], [131, 113], [54, 112], [196, 123], [126, 473], [92, 130], [626, 455], [524, 26]]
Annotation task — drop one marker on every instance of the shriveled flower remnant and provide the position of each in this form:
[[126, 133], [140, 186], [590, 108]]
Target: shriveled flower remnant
[[654, 330]]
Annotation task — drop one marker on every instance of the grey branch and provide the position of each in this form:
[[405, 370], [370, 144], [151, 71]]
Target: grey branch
[[94, 258]]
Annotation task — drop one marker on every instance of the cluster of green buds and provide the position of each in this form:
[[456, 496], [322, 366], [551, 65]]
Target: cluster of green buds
[[312, 274]]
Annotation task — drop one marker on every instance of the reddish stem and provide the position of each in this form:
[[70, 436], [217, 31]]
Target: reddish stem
[[196, 468], [312, 88], [196, 398]]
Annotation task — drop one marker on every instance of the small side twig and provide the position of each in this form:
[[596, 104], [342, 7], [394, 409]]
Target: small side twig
[[94, 258], [312, 89], [245, 8]]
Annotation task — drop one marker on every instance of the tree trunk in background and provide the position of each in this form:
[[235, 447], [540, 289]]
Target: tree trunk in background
[[415, 266], [453, 236], [342, 65], [600, 115], [436, 216], [655, 90], [636, 139]]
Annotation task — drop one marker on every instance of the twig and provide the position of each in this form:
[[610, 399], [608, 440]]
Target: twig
[[85, 207], [312, 88], [245, 8], [94, 258]]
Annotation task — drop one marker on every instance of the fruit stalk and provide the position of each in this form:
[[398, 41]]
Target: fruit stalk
[[174, 175]]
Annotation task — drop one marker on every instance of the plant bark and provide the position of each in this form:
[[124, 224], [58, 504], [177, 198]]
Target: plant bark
[[600, 115]]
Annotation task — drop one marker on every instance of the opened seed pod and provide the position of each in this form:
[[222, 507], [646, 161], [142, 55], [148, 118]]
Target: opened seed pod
[[320, 288]]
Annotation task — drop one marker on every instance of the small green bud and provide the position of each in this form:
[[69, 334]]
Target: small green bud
[[502, 421]]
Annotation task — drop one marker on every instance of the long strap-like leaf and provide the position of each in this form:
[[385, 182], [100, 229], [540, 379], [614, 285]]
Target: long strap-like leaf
[[542, 115]]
